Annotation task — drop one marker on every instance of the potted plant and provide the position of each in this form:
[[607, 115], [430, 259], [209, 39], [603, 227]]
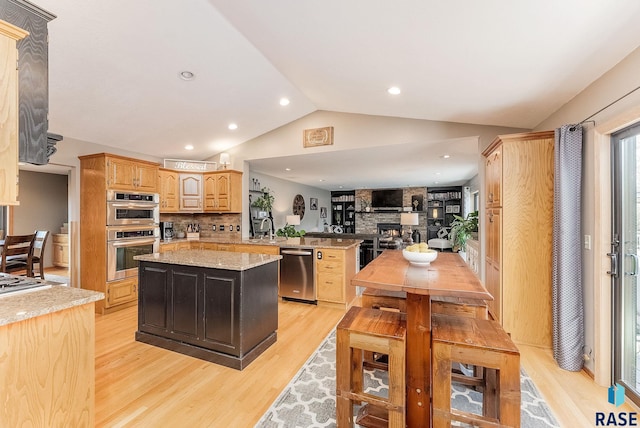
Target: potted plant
[[461, 229], [265, 202], [289, 231]]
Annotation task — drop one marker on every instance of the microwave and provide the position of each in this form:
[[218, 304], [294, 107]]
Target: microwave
[[132, 208]]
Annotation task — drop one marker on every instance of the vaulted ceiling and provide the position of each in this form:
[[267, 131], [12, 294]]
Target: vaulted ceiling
[[115, 65]]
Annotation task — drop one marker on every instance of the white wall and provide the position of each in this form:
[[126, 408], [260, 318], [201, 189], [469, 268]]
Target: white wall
[[284, 191], [596, 196]]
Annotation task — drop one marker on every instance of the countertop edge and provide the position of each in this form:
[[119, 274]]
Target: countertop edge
[[210, 259], [42, 302]]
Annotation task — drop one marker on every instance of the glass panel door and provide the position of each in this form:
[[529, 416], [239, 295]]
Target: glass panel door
[[626, 183]]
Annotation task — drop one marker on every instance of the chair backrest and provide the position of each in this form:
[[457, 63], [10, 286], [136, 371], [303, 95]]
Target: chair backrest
[[39, 242], [17, 245]]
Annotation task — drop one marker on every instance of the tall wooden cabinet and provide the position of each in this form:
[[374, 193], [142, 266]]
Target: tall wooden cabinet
[[98, 173], [518, 230], [9, 34]]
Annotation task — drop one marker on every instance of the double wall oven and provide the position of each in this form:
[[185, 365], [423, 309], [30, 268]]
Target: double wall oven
[[132, 229]]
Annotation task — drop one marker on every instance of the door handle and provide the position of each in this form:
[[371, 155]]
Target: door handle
[[614, 264], [634, 272]]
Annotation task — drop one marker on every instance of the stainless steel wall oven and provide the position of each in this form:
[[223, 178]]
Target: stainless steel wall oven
[[125, 242], [126, 208]]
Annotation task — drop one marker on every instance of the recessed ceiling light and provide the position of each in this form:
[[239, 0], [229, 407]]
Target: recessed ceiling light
[[186, 75], [284, 101], [233, 126], [287, 169], [394, 90], [445, 156], [322, 179], [436, 182], [188, 147], [437, 173]]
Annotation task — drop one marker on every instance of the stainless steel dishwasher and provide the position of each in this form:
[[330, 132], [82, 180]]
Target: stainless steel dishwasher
[[297, 280]]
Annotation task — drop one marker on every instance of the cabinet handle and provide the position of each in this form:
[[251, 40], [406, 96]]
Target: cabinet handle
[[491, 197], [491, 218]]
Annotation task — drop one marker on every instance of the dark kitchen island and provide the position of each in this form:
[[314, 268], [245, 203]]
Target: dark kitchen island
[[214, 305]]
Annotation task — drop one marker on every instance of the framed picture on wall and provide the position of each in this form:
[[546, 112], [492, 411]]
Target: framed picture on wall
[[313, 203], [323, 212]]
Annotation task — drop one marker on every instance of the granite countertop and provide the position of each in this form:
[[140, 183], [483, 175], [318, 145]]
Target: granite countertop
[[303, 242], [22, 306], [360, 236], [210, 259]]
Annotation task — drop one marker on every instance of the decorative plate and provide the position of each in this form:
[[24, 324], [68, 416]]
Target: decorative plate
[[298, 206]]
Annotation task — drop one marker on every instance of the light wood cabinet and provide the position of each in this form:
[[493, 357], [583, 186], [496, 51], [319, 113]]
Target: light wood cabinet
[[60, 243], [169, 189], [99, 172], [190, 192], [493, 176], [257, 249], [223, 191], [9, 34], [334, 270], [518, 230], [131, 174], [119, 292], [176, 246]]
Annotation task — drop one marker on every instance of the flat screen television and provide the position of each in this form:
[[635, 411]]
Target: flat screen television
[[386, 198]]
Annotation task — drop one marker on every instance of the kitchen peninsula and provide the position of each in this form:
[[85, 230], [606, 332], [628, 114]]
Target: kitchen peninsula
[[47, 337], [218, 306], [333, 272]]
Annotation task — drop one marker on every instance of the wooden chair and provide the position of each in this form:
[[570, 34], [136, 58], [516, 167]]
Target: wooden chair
[[38, 251], [378, 331], [480, 343], [17, 254]]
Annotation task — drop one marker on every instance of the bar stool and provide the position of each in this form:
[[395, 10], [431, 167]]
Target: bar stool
[[364, 329], [480, 343], [460, 307]]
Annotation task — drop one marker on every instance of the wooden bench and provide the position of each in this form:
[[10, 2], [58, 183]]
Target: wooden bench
[[480, 343], [364, 329]]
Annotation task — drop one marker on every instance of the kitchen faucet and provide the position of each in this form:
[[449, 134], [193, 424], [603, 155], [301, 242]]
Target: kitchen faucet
[[270, 228]]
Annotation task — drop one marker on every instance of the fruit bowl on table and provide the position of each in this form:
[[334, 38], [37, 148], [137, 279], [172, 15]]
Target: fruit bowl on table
[[423, 258]]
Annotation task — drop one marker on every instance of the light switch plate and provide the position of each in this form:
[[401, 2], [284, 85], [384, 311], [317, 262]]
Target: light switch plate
[[587, 242]]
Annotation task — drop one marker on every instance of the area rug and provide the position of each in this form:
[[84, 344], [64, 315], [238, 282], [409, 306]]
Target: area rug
[[309, 399]]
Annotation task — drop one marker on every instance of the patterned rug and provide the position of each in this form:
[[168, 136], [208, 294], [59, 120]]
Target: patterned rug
[[309, 399]]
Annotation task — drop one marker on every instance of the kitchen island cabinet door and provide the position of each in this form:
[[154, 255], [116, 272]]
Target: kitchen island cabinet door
[[154, 299]]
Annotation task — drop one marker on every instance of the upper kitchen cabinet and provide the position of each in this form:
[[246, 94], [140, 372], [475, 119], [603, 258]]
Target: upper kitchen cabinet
[[121, 173], [33, 78], [168, 183], [190, 192], [131, 174], [223, 191], [9, 34]]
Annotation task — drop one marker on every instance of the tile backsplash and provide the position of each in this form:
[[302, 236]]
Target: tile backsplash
[[206, 222]]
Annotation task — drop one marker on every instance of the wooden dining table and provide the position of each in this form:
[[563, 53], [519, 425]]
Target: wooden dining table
[[447, 276]]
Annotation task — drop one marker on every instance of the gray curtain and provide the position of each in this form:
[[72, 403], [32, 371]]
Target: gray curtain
[[568, 311]]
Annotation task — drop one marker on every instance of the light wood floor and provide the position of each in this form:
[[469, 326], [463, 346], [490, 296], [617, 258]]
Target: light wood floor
[[141, 385]]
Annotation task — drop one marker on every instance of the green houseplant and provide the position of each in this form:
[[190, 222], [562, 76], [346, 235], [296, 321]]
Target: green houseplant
[[264, 202], [289, 231], [461, 229]]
